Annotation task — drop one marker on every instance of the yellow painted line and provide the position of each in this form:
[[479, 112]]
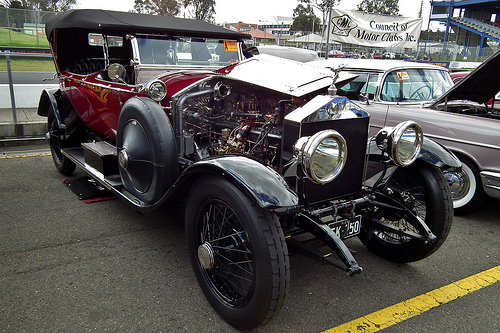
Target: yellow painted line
[[397, 313], [23, 156]]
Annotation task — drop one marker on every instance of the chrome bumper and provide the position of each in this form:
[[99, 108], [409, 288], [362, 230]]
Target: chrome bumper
[[491, 183]]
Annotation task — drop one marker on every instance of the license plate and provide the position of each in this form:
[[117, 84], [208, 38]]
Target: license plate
[[346, 228]]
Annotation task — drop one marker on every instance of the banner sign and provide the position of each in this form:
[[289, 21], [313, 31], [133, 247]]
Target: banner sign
[[355, 27]]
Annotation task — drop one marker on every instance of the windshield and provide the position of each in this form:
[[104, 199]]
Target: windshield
[[363, 83], [415, 85], [187, 51]]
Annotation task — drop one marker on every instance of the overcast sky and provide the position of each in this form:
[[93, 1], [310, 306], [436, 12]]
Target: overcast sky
[[251, 11]]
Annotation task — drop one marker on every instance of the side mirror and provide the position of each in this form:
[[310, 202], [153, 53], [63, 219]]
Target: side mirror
[[117, 73], [363, 97]]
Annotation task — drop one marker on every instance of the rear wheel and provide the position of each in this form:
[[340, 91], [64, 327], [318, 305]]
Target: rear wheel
[[56, 142], [421, 188], [238, 254]]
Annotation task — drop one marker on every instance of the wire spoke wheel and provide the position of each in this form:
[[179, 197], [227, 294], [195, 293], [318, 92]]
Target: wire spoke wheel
[[410, 192], [231, 272], [238, 253], [422, 189]]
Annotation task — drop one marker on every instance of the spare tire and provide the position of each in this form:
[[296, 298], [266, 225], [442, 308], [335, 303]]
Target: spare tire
[[147, 151]]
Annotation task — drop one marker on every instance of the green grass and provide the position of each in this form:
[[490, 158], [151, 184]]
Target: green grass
[[20, 39], [26, 65]]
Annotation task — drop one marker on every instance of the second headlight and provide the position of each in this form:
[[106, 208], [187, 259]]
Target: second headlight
[[156, 90], [322, 155], [402, 142]]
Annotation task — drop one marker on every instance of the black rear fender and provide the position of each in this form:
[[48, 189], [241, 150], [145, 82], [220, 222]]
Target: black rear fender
[[48, 99]]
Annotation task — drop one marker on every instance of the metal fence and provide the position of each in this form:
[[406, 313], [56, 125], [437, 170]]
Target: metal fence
[[426, 50], [30, 22]]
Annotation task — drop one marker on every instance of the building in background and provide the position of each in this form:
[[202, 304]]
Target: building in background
[[279, 25], [241, 27], [474, 22]]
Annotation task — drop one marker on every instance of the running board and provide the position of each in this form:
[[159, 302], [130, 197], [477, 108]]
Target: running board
[[95, 159]]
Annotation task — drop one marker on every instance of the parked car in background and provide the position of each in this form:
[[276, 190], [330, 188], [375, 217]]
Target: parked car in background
[[352, 54], [389, 55], [261, 154], [336, 54], [458, 76], [403, 56], [287, 52], [455, 116]]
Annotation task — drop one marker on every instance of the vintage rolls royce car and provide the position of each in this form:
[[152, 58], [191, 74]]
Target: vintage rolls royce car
[[457, 116], [262, 155]]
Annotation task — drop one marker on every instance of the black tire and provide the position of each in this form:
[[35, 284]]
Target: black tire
[[249, 292], [466, 187], [63, 164], [423, 189], [146, 150]]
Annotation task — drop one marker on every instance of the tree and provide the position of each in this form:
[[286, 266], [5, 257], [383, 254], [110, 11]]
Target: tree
[[322, 5], [304, 19], [203, 10], [11, 4], [158, 7], [389, 7], [43, 5]]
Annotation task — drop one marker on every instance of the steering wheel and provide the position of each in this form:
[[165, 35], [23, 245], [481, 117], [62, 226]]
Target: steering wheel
[[421, 94]]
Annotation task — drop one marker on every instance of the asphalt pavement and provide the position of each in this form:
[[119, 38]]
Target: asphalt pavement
[[28, 77], [68, 266]]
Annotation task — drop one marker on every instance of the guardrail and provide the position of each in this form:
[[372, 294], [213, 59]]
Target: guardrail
[[20, 53], [35, 50], [11, 86]]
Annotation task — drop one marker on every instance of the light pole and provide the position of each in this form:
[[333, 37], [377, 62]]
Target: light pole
[[328, 32]]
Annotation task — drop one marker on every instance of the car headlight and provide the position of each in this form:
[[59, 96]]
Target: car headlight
[[156, 90], [402, 142], [322, 155]]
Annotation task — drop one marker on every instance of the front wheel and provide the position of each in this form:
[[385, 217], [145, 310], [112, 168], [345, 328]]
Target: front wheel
[[422, 189], [238, 253], [466, 187]]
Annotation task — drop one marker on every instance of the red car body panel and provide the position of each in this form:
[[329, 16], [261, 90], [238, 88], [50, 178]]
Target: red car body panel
[[98, 102]]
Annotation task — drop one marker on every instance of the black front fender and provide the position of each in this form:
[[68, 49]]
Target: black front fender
[[431, 152], [438, 155], [261, 184]]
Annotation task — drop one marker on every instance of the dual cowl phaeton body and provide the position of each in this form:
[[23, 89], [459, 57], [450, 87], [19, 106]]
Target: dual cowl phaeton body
[[263, 153]]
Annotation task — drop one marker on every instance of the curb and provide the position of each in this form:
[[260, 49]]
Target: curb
[[24, 130], [30, 127]]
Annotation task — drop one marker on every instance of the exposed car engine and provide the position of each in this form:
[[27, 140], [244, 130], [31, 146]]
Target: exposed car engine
[[236, 118]]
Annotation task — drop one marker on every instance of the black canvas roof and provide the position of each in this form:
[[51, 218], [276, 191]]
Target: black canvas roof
[[106, 21]]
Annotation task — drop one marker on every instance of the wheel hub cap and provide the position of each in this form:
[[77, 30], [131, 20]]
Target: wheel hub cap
[[123, 158], [458, 184], [206, 256]]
